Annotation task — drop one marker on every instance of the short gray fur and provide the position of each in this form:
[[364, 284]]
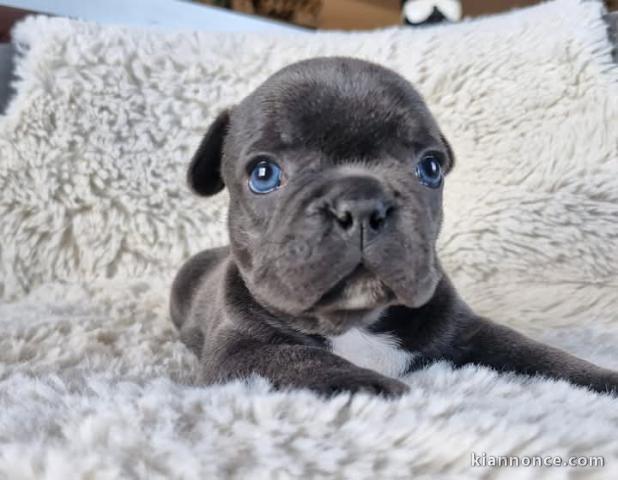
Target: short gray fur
[[612, 31], [6, 74], [347, 241]]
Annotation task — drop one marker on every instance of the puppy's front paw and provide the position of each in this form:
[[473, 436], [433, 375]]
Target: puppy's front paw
[[359, 381], [607, 384], [600, 380]]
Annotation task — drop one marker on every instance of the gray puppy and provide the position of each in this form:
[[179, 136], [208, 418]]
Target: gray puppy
[[335, 169]]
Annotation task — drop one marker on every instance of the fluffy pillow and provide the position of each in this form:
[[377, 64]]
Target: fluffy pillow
[[94, 150]]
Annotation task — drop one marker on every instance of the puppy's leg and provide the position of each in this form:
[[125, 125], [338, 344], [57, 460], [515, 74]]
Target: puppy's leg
[[293, 366], [486, 343]]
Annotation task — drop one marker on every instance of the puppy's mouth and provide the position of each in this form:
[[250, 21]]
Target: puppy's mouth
[[357, 294]]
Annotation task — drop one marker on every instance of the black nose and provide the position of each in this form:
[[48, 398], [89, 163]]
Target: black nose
[[360, 208], [368, 214]]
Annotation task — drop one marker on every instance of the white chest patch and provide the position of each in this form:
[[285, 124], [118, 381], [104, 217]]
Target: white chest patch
[[376, 351]]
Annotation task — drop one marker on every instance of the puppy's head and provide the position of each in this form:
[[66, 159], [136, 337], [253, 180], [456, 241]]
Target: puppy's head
[[335, 171]]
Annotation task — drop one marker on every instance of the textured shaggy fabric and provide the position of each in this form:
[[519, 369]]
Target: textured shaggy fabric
[[95, 219]]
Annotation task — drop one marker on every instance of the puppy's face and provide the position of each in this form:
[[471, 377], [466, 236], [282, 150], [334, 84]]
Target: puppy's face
[[335, 172]]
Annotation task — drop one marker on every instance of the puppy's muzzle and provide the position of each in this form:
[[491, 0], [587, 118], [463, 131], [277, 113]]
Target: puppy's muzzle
[[359, 208]]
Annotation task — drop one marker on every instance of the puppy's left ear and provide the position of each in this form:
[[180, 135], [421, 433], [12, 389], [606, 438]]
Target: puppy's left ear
[[450, 154], [204, 175]]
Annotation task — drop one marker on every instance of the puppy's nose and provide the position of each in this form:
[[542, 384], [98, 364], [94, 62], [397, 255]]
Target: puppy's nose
[[367, 214], [360, 209]]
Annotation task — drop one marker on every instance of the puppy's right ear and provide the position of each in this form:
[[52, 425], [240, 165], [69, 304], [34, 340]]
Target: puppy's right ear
[[204, 175]]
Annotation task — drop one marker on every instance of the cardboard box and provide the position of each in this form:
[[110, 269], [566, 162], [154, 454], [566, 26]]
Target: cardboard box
[[359, 14]]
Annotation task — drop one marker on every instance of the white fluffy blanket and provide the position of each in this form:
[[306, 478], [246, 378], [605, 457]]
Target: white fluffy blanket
[[95, 218]]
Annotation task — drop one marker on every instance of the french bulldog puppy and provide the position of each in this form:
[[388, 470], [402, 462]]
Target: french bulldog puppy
[[331, 282]]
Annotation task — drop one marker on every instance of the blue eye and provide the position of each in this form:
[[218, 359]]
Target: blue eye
[[429, 171], [265, 177]]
